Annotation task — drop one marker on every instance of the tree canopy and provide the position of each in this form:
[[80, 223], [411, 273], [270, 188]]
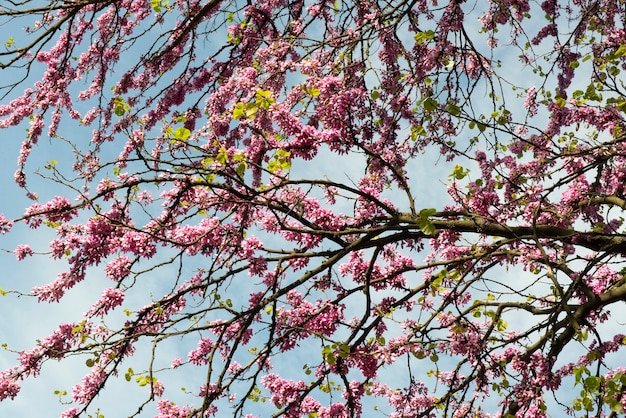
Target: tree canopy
[[321, 209]]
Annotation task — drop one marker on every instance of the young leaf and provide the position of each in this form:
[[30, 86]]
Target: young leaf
[[182, 134]]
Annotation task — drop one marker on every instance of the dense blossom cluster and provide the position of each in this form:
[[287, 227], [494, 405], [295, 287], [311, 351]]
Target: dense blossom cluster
[[261, 186]]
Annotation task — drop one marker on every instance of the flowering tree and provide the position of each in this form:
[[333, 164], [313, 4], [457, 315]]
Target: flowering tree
[[275, 167]]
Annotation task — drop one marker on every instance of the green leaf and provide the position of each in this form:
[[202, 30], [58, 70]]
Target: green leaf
[[428, 212], [245, 110], [578, 372], [592, 383], [222, 156], [344, 350], [120, 107], [430, 104], [158, 4], [459, 172], [263, 94], [453, 109], [621, 51], [263, 99], [426, 226], [421, 37], [239, 111], [328, 355], [78, 328], [9, 43], [502, 325], [313, 91], [182, 133], [251, 110], [241, 169], [417, 131], [281, 161], [616, 406]]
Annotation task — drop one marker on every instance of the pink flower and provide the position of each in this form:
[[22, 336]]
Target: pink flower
[[530, 102], [284, 392], [176, 363], [158, 388], [168, 409], [5, 225], [92, 383], [118, 268], [58, 209], [200, 355], [22, 251], [8, 386], [70, 413], [110, 299]]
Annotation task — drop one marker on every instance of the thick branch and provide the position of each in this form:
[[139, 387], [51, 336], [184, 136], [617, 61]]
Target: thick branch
[[613, 244]]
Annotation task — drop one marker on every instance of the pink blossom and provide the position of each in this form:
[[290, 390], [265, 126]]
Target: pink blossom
[[8, 386], [91, 385], [70, 413], [110, 299], [158, 388], [118, 268], [58, 209], [176, 363], [168, 409], [22, 251], [5, 225], [530, 102], [201, 355], [284, 392]]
